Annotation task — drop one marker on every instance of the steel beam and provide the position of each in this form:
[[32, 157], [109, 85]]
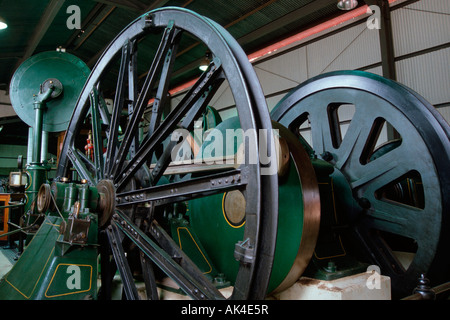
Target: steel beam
[[132, 5], [387, 50], [386, 39], [281, 22], [140, 10], [89, 20], [44, 23]]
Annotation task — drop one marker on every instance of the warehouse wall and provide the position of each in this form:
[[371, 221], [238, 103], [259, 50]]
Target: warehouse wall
[[422, 48], [421, 34], [6, 109]]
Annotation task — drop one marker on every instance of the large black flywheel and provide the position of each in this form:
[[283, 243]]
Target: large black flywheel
[[398, 211], [130, 170]]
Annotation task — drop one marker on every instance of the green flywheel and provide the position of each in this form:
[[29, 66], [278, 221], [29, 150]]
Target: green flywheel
[[66, 68], [218, 221]]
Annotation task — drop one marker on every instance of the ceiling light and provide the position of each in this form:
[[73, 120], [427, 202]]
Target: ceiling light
[[205, 61], [347, 4], [204, 64], [3, 24]]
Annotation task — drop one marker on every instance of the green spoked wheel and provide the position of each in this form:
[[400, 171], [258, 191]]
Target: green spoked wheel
[[399, 206], [135, 170]]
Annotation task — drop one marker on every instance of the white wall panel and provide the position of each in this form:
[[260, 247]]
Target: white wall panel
[[376, 70], [421, 25], [428, 74], [351, 48], [6, 109], [282, 72], [223, 97], [273, 101], [418, 26], [445, 112]]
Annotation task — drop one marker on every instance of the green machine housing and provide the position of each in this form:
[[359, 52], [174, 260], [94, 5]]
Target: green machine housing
[[44, 90], [209, 228]]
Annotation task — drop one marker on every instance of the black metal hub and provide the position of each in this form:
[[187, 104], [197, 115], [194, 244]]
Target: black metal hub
[[106, 202]]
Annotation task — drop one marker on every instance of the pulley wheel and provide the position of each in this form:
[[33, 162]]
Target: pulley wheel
[[68, 72], [400, 206], [44, 198], [136, 166]]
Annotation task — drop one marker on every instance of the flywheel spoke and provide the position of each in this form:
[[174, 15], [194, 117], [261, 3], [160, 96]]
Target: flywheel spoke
[[354, 141], [163, 87], [97, 135], [170, 258], [189, 108], [186, 190], [149, 277], [381, 253], [402, 223], [144, 96], [380, 172], [118, 106], [82, 165], [115, 240]]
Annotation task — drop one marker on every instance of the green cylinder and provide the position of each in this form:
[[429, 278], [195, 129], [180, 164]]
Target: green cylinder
[[37, 175], [70, 196], [66, 194], [218, 221]]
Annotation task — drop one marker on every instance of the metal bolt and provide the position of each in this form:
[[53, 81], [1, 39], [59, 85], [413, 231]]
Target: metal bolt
[[364, 203], [331, 267], [327, 156], [424, 288]]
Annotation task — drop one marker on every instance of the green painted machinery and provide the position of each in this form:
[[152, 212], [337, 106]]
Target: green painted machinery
[[394, 211], [244, 203], [60, 262], [225, 213], [43, 92]]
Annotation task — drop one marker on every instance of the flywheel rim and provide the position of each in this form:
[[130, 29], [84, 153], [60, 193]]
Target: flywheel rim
[[248, 103], [430, 127]]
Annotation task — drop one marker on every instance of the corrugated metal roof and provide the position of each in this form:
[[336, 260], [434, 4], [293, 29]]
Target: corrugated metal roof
[[104, 19]]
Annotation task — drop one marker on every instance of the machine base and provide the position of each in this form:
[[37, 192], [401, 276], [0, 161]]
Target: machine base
[[361, 286]]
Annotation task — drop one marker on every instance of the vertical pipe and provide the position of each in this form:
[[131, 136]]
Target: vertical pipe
[[30, 145], [37, 132], [44, 147]]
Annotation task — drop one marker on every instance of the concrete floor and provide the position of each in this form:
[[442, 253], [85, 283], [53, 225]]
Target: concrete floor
[[7, 257], [342, 289]]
